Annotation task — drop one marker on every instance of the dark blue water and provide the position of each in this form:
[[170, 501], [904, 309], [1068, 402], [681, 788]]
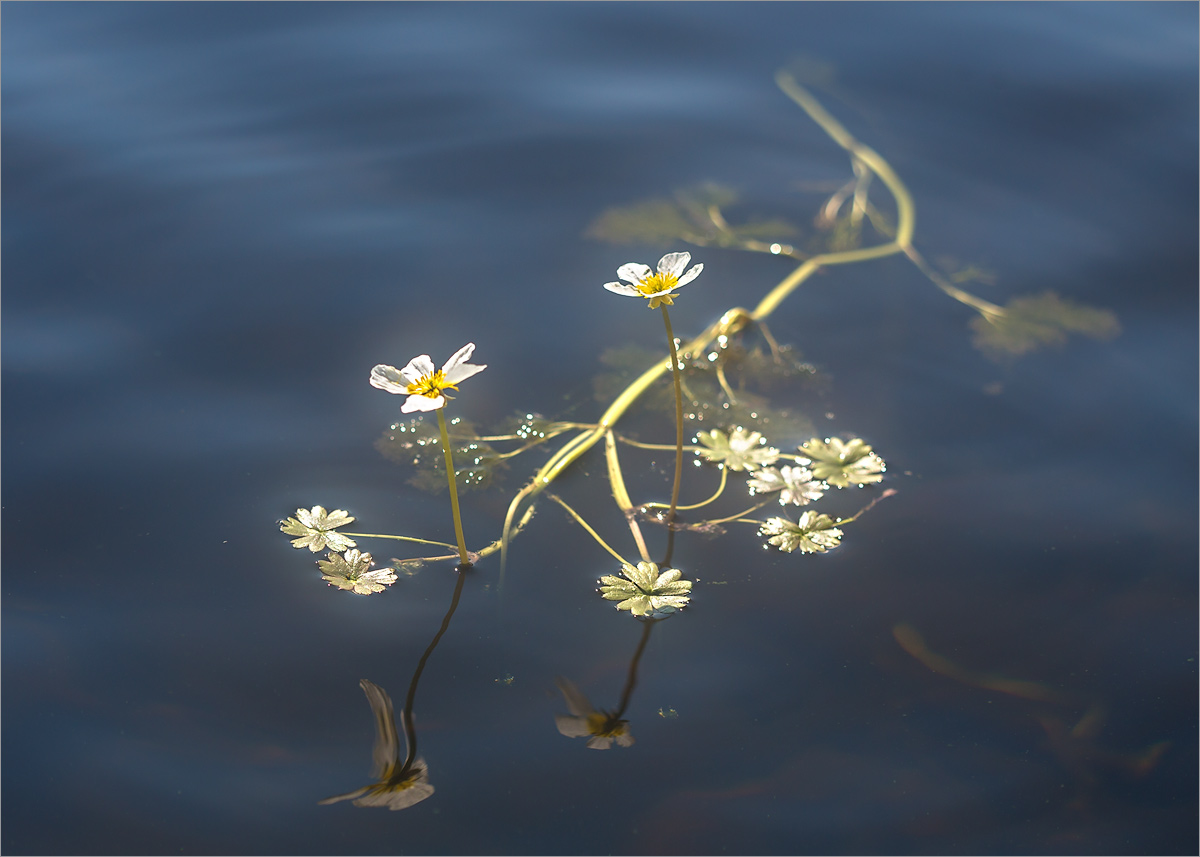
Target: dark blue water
[[218, 217]]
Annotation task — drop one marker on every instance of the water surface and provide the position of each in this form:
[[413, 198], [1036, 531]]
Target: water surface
[[218, 217]]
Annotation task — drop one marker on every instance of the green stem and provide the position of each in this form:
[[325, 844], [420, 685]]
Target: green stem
[[712, 499], [678, 416], [621, 495], [458, 530], [735, 319], [579, 520], [399, 539], [738, 516]]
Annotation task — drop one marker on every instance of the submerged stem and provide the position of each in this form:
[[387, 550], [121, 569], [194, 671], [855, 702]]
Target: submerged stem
[[458, 530]]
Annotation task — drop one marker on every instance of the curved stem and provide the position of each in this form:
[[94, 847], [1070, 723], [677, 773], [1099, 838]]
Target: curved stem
[[410, 732], [621, 495], [458, 530], [631, 678], [579, 520], [719, 492], [678, 416], [639, 445], [888, 493], [735, 319], [738, 516]]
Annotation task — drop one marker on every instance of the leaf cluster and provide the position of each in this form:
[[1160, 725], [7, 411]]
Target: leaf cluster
[[417, 443], [692, 215], [724, 386], [1030, 323]]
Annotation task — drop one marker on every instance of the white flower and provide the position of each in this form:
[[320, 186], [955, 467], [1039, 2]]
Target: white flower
[[599, 727], [353, 571], [813, 533], [315, 528], [794, 484], [645, 592], [657, 286], [740, 450], [424, 384]]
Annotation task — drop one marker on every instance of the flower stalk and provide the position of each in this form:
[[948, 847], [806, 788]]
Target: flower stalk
[[678, 416], [458, 528]]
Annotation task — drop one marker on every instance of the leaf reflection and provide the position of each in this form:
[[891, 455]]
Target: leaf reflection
[[1074, 746], [1029, 323]]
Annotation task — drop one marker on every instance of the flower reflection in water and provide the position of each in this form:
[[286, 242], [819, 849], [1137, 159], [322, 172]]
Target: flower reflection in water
[[398, 785], [601, 728]]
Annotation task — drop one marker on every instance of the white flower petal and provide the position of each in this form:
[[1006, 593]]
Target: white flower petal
[[462, 371], [462, 355], [572, 727], [421, 403], [634, 272], [622, 289], [577, 703], [417, 368], [674, 263], [692, 274], [388, 378]]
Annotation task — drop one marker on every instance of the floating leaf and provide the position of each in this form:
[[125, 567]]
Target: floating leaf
[[352, 571], [842, 464], [644, 592], [738, 450], [794, 484], [316, 529], [1031, 322], [813, 533]]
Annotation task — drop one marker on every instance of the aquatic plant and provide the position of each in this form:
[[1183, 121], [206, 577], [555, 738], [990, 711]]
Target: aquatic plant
[[723, 380], [316, 527], [426, 388], [644, 591]]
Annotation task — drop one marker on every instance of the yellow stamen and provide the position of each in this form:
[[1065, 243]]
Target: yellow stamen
[[430, 386], [656, 283]]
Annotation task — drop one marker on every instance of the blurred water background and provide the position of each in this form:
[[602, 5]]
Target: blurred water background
[[218, 217]]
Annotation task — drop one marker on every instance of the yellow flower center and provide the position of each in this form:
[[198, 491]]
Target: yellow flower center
[[605, 726], [656, 283], [430, 385]]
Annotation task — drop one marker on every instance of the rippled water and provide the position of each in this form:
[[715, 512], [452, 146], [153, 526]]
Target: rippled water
[[218, 217]]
